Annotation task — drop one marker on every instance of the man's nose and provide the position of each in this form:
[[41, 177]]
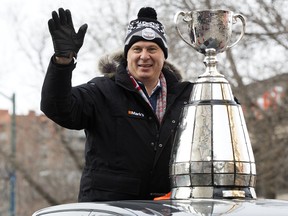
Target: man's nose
[[145, 54]]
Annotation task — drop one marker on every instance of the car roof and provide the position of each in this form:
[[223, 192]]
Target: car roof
[[171, 207]]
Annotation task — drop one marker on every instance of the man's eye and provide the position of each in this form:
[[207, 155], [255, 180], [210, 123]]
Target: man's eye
[[152, 49], [136, 49]]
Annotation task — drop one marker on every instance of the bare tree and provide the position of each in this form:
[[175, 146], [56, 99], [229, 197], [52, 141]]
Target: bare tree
[[255, 66]]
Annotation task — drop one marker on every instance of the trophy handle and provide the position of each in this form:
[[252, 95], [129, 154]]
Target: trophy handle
[[185, 19], [242, 18]]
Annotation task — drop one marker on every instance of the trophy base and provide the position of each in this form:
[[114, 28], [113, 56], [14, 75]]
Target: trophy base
[[221, 192]]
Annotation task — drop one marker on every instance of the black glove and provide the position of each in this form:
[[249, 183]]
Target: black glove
[[65, 40]]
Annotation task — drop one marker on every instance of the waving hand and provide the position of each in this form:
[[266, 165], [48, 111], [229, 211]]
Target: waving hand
[[65, 40]]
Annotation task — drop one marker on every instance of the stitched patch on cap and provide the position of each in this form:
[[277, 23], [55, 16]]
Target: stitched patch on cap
[[148, 34]]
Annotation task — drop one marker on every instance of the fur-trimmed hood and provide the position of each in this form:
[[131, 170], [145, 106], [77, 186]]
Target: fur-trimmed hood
[[109, 63]]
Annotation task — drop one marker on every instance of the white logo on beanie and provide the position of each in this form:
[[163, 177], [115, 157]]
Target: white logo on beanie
[[148, 34]]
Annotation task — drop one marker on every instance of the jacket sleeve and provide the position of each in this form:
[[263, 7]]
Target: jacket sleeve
[[59, 101]]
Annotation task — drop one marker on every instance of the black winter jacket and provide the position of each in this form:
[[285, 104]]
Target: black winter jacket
[[127, 151]]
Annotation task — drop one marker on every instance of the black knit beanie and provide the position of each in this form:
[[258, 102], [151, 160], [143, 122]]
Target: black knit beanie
[[146, 28]]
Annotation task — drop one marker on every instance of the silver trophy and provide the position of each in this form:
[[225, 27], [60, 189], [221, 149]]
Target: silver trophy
[[212, 155], [210, 29]]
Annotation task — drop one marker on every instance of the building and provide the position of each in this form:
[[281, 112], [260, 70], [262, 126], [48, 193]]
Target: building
[[48, 163]]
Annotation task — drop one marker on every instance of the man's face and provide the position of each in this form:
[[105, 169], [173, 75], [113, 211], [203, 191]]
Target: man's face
[[145, 61]]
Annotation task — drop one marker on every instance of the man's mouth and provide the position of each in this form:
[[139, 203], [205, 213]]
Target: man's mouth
[[145, 65]]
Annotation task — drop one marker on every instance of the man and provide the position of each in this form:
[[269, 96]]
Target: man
[[129, 115]]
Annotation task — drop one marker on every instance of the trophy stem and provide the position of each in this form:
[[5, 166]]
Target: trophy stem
[[210, 62]]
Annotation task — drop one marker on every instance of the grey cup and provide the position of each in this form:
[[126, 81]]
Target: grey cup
[[210, 29]]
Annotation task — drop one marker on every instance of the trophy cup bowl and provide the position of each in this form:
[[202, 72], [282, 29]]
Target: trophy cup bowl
[[210, 29]]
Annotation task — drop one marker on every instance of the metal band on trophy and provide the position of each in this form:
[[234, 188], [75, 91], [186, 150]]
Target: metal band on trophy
[[212, 155]]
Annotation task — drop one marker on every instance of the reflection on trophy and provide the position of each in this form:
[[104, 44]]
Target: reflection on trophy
[[212, 155]]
